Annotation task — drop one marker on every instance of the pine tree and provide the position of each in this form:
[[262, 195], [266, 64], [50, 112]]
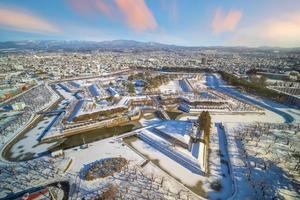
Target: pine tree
[[204, 121]]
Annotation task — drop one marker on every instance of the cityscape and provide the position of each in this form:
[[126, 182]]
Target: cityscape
[[133, 112]]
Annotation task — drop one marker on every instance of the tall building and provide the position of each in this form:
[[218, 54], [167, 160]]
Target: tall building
[[204, 60]]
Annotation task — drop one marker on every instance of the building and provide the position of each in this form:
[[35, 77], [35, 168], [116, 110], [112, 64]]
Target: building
[[184, 107], [204, 60], [18, 106], [113, 92]]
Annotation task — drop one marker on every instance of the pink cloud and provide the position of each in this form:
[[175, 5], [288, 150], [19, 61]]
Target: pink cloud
[[283, 30], [138, 15], [25, 21], [225, 22], [81, 6], [285, 27], [136, 12], [90, 7], [104, 8]]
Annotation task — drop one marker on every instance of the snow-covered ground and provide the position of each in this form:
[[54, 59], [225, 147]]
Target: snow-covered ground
[[29, 144], [177, 129], [182, 155], [114, 147], [262, 160], [98, 150], [149, 122], [219, 164], [215, 82], [241, 188], [66, 95], [170, 88], [167, 164], [236, 117], [133, 181], [21, 176]]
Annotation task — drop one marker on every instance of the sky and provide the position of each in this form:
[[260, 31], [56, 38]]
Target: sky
[[182, 22]]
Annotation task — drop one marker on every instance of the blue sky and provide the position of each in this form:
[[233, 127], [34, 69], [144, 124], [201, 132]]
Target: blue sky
[[183, 22]]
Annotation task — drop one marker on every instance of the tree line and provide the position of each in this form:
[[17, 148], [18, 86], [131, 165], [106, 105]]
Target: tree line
[[204, 124], [256, 87], [150, 82], [204, 121]]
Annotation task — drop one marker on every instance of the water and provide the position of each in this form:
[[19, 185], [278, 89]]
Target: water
[[95, 135]]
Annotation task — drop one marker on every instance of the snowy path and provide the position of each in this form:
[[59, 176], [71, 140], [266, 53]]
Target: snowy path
[[227, 182]]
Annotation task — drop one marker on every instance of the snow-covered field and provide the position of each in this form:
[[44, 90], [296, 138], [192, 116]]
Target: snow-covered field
[[229, 117], [114, 147], [20, 176], [177, 129], [263, 161], [29, 144], [170, 88], [98, 150], [219, 165], [66, 95], [166, 163]]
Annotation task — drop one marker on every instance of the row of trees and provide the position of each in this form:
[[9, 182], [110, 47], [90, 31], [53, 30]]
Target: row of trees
[[257, 87], [130, 88], [188, 69], [258, 80], [204, 124], [140, 75], [151, 82], [98, 114], [154, 82], [204, 121]]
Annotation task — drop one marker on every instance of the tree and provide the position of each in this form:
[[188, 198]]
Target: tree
[[204, 121], [110, 192], [23, 88], [130, 88], [256, 86], [262, 81]]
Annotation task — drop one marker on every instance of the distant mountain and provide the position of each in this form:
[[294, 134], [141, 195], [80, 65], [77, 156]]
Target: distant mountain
[[80, 45], [119, 45]]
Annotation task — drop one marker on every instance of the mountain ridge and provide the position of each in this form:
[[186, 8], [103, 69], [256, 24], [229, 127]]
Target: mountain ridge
[[114, 44]]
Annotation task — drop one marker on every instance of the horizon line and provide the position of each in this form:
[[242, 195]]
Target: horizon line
[[140, 41]]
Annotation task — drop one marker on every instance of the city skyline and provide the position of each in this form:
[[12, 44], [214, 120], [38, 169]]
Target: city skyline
[[188, 23]]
